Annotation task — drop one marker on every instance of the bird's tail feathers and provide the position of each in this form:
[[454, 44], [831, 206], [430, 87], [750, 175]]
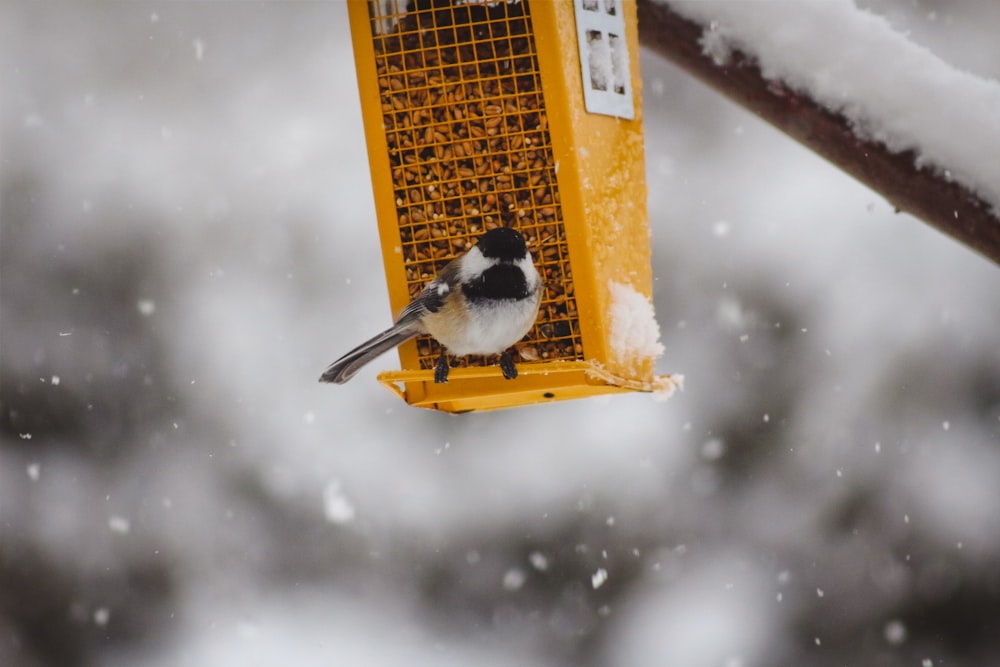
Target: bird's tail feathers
[[343, 369]]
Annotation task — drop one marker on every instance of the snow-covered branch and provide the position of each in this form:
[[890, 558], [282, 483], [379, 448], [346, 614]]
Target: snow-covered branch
[[843, 82]]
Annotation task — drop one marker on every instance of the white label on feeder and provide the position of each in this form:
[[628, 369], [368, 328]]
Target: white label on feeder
[[604, 60]]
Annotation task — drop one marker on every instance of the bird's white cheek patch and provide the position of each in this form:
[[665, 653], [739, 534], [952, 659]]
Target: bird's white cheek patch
[[474, 264]]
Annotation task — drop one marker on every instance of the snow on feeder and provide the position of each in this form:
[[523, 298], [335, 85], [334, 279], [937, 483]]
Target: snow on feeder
[[523, 114]]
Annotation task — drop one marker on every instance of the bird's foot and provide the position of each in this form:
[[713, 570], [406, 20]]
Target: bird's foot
[[507, 366], [441, 368]]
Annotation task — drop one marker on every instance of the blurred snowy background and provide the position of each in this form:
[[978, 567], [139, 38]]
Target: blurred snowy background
[[188, 239]]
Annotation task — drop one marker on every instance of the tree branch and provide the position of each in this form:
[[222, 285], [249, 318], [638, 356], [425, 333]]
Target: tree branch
[[946, 205]]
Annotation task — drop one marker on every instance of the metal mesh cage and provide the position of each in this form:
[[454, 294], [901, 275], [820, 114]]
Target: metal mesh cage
[[470, 150]]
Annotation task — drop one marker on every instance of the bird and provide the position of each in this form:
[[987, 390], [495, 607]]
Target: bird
[[481, 302]]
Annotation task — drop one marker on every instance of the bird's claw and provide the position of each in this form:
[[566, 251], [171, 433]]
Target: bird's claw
[[507, 366], [441, 369]]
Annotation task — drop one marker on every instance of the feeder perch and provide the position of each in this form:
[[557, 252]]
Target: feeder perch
[[519, 113]]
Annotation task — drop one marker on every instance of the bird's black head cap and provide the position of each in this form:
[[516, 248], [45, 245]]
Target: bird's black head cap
[[502, 243]]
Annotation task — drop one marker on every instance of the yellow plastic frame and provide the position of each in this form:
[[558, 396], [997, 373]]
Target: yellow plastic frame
[[601, 179]]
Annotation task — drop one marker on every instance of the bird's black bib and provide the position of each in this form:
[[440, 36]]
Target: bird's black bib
[[504, 282]]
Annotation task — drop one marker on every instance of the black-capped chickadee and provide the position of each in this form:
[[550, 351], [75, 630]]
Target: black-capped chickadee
[[482, 302]]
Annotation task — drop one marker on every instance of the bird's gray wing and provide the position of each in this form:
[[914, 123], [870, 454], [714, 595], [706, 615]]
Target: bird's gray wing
[[432, 298]]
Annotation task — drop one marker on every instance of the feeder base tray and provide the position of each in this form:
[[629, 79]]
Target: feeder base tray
[[484, 388]]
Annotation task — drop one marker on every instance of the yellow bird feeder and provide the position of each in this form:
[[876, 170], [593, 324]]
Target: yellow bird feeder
[[520, 113]]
